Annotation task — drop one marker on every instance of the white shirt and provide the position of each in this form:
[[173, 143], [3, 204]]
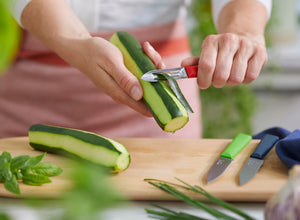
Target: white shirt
[[123, 14]]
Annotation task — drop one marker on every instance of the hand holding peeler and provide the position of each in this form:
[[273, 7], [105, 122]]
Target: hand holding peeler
[[176, 73]]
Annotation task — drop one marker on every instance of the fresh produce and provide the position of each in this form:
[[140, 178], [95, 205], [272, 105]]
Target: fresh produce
[[28, 169], [165, 107], [286, 203], [81, 145], [173, 189]]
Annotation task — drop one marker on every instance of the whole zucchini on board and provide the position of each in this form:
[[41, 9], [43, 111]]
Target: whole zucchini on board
[[165, 107], [80, 144]]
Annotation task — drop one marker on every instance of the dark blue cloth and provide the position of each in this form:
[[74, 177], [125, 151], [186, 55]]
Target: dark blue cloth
[[288, 146]]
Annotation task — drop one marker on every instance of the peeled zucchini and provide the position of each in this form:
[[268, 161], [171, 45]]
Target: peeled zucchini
[[165, 107], [80, 144]]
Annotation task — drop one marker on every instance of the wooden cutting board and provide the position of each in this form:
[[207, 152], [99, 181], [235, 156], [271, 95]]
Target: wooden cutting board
[[164, 159]]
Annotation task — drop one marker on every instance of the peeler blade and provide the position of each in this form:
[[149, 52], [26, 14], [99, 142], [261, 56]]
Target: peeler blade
[[156, 75]]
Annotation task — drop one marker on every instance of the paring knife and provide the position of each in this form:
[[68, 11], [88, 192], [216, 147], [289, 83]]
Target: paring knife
[[256, 159], [233, 149], [176, 73]]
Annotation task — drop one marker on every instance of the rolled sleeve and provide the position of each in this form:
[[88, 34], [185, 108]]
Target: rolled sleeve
[[16, 8]]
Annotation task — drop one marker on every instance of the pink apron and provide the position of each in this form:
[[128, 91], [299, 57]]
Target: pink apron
[[41, 88]]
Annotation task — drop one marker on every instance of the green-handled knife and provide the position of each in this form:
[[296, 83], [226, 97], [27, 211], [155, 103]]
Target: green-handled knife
[[233, 149]]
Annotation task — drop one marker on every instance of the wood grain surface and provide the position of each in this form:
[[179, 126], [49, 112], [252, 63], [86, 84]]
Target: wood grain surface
[[164, 159]]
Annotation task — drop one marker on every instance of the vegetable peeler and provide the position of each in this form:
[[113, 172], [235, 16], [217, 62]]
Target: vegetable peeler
[[176, 73]]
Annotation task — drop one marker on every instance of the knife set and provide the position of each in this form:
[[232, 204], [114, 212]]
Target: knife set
[[254, 162]]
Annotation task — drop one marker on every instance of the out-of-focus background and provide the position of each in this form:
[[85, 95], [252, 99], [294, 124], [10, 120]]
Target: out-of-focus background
[[274, 98]]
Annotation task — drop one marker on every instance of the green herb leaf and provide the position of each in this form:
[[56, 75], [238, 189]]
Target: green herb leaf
[[12, 185], [30, 169], [33, 161], [6, 174], [46, 169], [19, 175], [19, 162], [35, 179], [5, 156]]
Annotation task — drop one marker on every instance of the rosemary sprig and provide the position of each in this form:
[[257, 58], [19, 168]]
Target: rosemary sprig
[[171, 188]]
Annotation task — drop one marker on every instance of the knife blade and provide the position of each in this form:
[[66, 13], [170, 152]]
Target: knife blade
[[255, 160], [176, 73], [226, 158]]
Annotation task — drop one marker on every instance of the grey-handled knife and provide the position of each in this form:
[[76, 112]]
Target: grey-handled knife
[[237, 144], [256, 159]]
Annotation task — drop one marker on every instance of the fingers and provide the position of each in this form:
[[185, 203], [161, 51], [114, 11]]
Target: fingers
[[255, 64], [240, 63], [104, 65], [108, 85], [114, 67], [229, 59], [153, 55], [227, 48], [128, 82], [207, 61]]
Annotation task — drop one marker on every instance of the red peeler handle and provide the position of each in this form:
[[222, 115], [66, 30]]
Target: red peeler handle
[[191, 71]]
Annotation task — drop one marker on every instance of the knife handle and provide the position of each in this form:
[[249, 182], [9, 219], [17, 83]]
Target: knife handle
[[191, 71], [264, 146], [236, 145]]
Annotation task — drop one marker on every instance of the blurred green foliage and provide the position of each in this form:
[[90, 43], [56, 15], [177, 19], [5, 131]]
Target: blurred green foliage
[[91, 193], [226, 111], [9, 37]]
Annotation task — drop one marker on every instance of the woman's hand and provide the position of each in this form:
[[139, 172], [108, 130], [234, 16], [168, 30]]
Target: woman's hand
[[237, 54], [229, 59], [103, 63], [55, 24]]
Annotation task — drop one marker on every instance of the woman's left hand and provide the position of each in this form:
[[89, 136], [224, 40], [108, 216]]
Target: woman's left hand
[[229, 59]]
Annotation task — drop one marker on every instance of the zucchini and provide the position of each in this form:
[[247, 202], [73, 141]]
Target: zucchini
[[165, 107], [80, 144]]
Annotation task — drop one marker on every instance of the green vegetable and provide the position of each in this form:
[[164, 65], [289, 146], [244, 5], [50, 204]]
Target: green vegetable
[[175, 88], [172, 189], [29, 169], [165, 107], [81, 145]]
